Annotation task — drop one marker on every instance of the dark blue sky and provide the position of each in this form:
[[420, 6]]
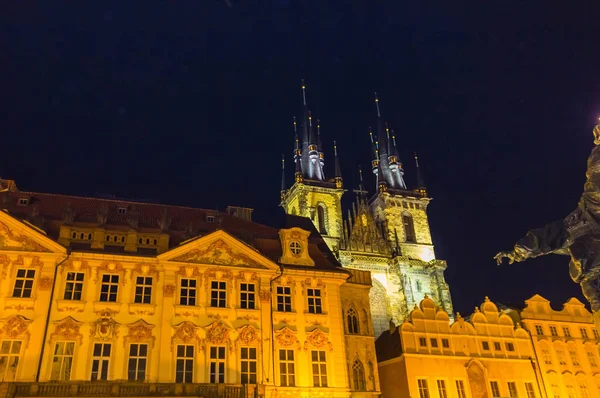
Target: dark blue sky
[[191, 102]]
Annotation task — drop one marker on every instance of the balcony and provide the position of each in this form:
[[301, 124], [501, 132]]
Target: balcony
[[129, 389]]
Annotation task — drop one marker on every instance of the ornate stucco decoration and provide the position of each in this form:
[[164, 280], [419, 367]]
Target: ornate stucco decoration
[[218, 273], [265, 295], [146, 269], [247, 276], [104, 329], [111, 267], [190, 272], [219, 253], [45, 283], [186, 332], [28, 261], [75, 265], [67, 329], [309, 283], [294, 247], [169, 290], [217, 333], [286, 337], [140, 332], [5, 263], [10, 240], [15, 326], [247, 335], [318, 339]]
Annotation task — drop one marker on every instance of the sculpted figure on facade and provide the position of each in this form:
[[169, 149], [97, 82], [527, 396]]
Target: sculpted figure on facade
[[15, 326]]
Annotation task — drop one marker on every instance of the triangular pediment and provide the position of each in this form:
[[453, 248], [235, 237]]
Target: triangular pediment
[[219, 248], [16, 235]]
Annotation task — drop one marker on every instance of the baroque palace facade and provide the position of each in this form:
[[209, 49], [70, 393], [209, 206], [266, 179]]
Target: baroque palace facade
[[105, 297], [387, 235]]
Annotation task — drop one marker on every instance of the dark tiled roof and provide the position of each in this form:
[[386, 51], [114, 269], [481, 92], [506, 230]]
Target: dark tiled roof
[[388, 345]]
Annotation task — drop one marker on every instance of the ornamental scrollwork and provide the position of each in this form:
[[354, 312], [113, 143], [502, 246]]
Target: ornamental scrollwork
[[286, 337], [265, 295], [45, 283], [10, 240], [217, 333], [104, 328], [186, 332], [15, 326], [139, 331], [67, 329], [248, 335], [169, 290], [317, 338]]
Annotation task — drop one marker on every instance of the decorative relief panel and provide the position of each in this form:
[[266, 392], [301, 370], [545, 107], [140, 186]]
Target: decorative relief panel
[[169, 290], [218, 273], [286, 337], [104, 329], [186, 332], [318, 339], [248, 335], [45, 283], [219, 253], [10, 240], [67, 329], [5, 263], [75, 265], [265, 295], [146, 269], [217, 333], [15, 326], [111, 267], [190, 272], [139, 332], [308, 283], [246, 276]]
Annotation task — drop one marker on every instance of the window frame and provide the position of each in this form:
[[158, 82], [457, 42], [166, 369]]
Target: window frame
[[284, 295], [10, 357], [317, 306], [75, 283], [359, 380], [248, 361], [250, 300], [461, 390], [539, 329], [286, 362], [423, 388], [109, 284], [137, 358], [72, 356], [24, 288], [442, 388], [188, 298], [185, 360], [101, 360], [219, 290], [529, 389], [217, 375], [352, 321], [321, 365], [495, 389], [553, 331], [512, 387], [143, 287]]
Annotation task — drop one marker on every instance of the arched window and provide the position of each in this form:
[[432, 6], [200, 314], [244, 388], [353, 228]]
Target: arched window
[[352, 321], [358, 376], [321, 215], [409, 228]]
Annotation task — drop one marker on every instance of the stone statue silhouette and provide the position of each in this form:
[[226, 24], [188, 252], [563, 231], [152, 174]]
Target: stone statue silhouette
[[577, 235]]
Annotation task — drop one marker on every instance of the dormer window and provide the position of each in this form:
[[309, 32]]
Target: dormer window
[[122, 210], [295, 248], [23, 201], [210, 219]]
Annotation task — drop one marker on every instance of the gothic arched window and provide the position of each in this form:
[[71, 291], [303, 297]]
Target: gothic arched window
[[321, 216], [358, 376], [352, 318], [409, 228]]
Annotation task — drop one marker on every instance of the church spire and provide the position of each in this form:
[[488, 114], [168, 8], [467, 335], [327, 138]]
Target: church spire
[[338, 170], [420, 183], [297, 155], [282, 176], [381, 133]]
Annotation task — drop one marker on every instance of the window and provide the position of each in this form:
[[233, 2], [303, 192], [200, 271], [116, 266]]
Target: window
[[187, 292], [445, 343], [143, 290], [566, 331], [584, 333], [529, 390], [319, 368], [358, 376], [352, 319], [295, 248], [23, 201], [441, 385], [100, 361], [218, 294], [539, 330], [423, 389], [512, 389], [24, 283], [495, 389], [109, 287], [422, 341], [409, 228], [574, 358], [321, 215], [138, 356], [122, 210], [9, 359], [561, 357], [434, 343], [460, 389], [583, 389], [510, 347], [184, 364], [314, 301], [62, 361], [248, 367], [592, 359], [553, 331], [596, 334], [284, 298], [74, 286], [497, 346], [485, 345], [210, 219], [247, 295], [217, 364], [547, 356], [287, 370]]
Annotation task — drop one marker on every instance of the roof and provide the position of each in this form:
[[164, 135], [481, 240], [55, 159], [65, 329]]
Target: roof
[[388, 345]]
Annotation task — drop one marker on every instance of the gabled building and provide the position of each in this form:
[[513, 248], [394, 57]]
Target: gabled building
[[109, 297], [387, 234]]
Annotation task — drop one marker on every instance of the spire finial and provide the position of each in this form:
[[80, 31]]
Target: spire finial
[[338, 169], [377, 105], [297, 142], [420, 183], [303, 93], [282, 176]]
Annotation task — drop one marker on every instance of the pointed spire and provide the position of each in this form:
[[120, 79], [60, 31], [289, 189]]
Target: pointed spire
[[381, 134], [305, 122], [338, 169], [420, 183], [319, 134], [296, 140], [303, 93], [282, 172]]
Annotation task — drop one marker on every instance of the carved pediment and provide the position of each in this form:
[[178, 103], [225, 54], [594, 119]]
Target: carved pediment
[[318, 339], [67, 329], [15, 326], [217, 333], [16, 235], [248, 335], [286, 337], [219, 253], [140, 332], [12, 240]]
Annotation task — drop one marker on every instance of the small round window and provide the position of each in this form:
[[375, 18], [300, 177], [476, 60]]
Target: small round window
[[295, 247]]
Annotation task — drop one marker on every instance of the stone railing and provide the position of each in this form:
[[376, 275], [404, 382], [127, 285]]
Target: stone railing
[[126, 389]]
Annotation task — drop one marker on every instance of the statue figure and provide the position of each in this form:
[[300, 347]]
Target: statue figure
[[577, 235]]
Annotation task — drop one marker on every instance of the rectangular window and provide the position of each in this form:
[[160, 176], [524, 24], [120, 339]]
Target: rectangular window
[[553, 331], [566, 331], [460, 389], [574, 358], [547, 356], [217, 364], [596, 334], [284, 298], [319, 368], [314, 301], [485, 345], [248, 365], [218, 294], [592, 359], [529, 390], [495, 389], [539, 330], [24, 283], [9, 359], [100, 361], [434, 343], [138, 356], [109, 288], [184, 364], [561, 357], [62, 361], [510, 347], [143, 290], [445, 343], [497, 346], [584, 333], [423, 389], [74, 286], [187, 291], [512, 389], [441, 385], [422, 341], [287, 368], [247, 295]]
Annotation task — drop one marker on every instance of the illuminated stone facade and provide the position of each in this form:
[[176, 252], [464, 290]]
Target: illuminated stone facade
[[146, 299], [483, 357], [387, 235]]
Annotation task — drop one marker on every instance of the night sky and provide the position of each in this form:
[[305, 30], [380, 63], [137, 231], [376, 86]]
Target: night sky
[[191, 103]]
